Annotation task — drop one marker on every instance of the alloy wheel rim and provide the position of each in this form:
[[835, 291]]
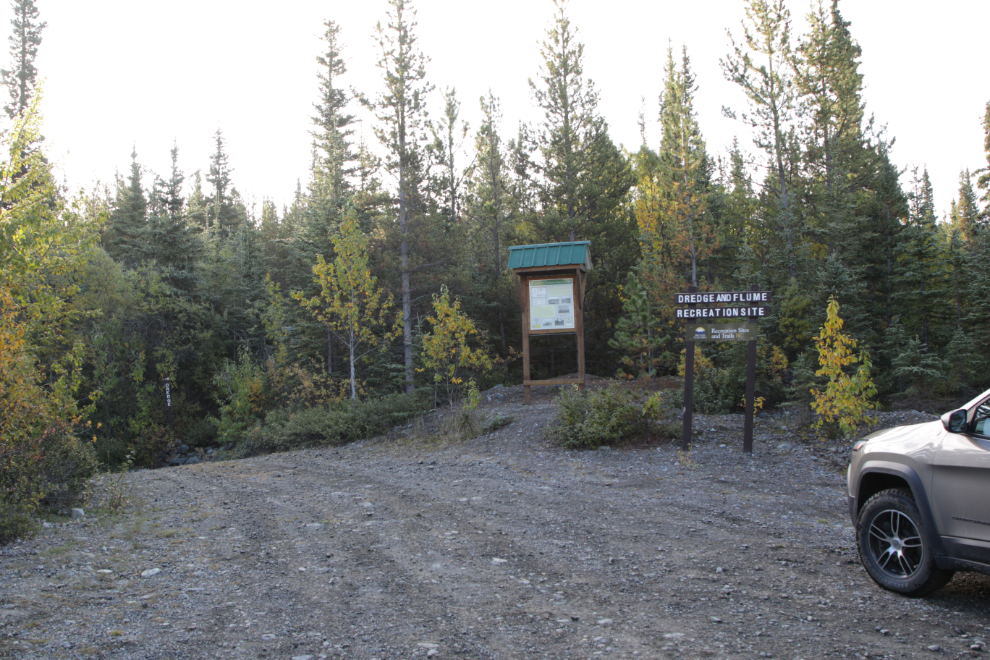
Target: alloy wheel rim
[[895, 544]]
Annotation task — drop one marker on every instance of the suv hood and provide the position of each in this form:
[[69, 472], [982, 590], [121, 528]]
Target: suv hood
[[905, 434]]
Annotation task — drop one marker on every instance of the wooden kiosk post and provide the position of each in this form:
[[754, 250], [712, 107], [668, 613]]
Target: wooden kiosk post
[[550, 281]]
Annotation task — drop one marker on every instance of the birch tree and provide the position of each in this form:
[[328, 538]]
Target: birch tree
[[350, 304]]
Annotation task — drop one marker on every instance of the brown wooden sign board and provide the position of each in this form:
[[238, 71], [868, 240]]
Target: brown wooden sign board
[[708, 332], [552, 301]]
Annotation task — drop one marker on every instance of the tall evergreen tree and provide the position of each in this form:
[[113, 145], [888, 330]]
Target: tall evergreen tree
[[21, 78], [683, 161], [448, 136], [125, 234], [332, 124], [573, 138], [828, 79], [333, 156], [760, 65], [401, 112], [921, 283], [170, 242], [489, 208], [983, 183], [225, 213], [581, 179], [965, 213], [884, 216]]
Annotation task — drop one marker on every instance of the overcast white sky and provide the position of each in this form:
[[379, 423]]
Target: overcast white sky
[[123, 73]]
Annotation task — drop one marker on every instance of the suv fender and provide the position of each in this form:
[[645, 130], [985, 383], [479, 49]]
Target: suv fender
[[917, 491]]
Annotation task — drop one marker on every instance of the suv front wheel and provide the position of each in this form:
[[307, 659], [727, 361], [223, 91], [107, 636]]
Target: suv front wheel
[[894, 547]]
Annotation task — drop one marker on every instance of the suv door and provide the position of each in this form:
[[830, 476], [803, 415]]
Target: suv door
[[961, 488]]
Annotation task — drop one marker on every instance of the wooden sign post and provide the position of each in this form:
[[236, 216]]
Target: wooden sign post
[[168, 406], [748, 307], [550, 282]]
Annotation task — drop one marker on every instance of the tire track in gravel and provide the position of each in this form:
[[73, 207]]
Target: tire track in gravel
[[452, 574], [503, 537], [342, 580]]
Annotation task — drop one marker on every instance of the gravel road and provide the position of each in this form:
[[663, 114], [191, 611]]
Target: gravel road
[[501, 547]]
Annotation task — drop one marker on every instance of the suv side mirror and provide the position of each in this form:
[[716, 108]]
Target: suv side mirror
[[955, 422]]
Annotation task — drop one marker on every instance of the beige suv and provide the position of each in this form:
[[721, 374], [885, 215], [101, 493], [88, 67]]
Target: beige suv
[[919, 497]]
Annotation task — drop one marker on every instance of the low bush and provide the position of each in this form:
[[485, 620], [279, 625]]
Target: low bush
[[66, 466], [333, 424], [592, 418], [659, 411], [461, 424], [50, 471]]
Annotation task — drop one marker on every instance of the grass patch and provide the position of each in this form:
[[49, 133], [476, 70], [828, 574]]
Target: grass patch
[[496, 422], [331, 425]]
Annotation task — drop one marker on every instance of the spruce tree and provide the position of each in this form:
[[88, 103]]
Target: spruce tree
[[170, 242], [401, 112], [583, 172], [640, 334], [920, 271], [489, 207], [333, 156], [983, 183], [581, 179], [883, 212], [683, 162], [332, 124], [761, 65], [21, 78], [965, 213], [225, 213], [124, 236], [828, 79]]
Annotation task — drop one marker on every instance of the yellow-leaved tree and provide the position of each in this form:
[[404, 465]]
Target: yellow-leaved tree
[[848, 396], [350, 304], [446, 349], [42, 458]]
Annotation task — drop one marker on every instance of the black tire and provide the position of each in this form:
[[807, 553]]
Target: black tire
[[893, 545]]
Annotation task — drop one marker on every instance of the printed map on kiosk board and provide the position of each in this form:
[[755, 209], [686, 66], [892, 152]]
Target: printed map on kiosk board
[[551, 304]]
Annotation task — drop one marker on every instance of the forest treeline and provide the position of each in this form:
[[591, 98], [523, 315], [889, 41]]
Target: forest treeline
[[387, 272]]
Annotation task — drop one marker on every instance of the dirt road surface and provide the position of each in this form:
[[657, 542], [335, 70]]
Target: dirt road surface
[[501, 547]]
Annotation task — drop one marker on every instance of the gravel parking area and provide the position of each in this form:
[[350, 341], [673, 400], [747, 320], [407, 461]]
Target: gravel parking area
[[501, 547]]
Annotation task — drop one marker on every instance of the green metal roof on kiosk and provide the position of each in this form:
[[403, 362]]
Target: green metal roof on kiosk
[[550, 254]]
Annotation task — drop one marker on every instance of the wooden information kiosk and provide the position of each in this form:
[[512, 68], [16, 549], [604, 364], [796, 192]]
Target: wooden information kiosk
[[550, 282]]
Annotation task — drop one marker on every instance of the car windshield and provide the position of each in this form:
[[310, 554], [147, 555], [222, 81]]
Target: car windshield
[[969, 405]]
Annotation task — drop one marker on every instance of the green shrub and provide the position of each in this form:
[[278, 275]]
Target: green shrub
[[720, 377], [333, 424], [149, 446], [66, 466], [51, 471], [592, 418], [658, 410], [242, 401]]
